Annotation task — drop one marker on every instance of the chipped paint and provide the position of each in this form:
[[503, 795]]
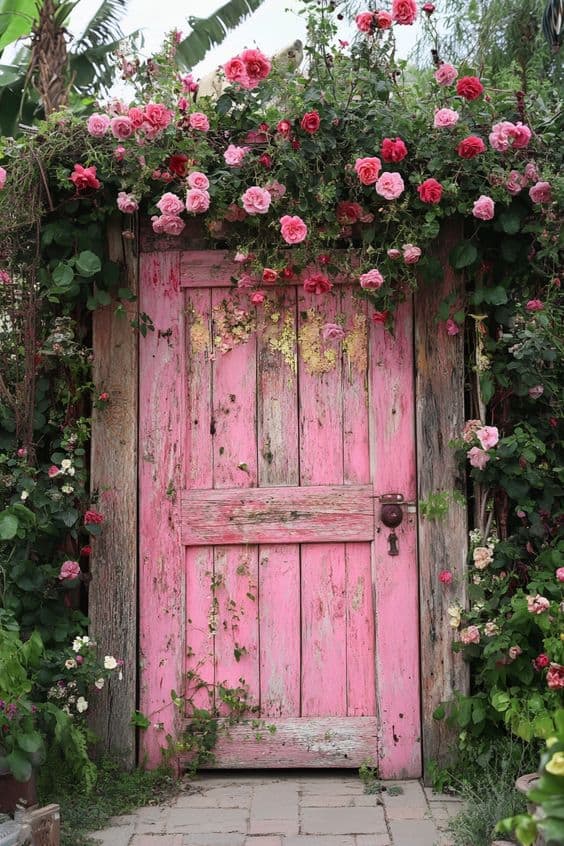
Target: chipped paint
[[233, 325], [355, 344], [317, 357]]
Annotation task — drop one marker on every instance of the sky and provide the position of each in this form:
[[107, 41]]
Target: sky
[[273, 26]]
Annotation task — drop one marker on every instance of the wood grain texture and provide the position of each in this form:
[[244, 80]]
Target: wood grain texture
[[277, 515], [395, 577], [360, 635], [113, 589], [442, 543], [162, 401], [315, 742]]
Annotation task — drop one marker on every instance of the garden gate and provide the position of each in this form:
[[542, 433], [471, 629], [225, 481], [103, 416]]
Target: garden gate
[[269, 438]]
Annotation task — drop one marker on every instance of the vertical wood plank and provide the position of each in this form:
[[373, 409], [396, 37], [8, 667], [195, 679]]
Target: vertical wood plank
[[113, 589], [442, 543], [395, 578], [162, 414], [361, 665]]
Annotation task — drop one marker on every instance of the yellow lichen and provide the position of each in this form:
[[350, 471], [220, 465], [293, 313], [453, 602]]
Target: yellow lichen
[[233, 325], [284, 342], [199, 335], [317, 357], [355, 344]]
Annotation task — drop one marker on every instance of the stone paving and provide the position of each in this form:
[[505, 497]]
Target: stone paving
[[289, 809]]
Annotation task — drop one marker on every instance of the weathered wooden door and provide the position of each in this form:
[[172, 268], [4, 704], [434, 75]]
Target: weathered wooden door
[[271, 571]]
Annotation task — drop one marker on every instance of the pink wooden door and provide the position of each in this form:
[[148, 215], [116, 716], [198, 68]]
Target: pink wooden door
[[285, 438]]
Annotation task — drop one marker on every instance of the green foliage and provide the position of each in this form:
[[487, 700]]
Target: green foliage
[[209, 32]]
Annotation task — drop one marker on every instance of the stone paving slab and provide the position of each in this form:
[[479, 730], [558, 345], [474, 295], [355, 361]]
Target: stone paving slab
[[289, 809]]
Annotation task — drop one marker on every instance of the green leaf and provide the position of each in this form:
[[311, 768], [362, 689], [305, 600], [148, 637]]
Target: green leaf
[[510, 221], [20, 765], [209, 32], [463, 255], [16, 20], [439, 713], [87, 263], [63, 274], [8, 526], [139, 720], [501, 701], [30, 742], [223, 104], [103, 297]]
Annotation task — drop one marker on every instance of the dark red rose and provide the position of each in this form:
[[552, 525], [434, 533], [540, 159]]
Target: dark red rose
[[296, 144], [429, 8], [265, 160], [288, 273], [177, 164], [269, 276], [393, 150], [93, 518], [470, 147], [310, 122], [284, 127], [541, 661], [348, 212], [430, 191], [380, 316], [469, 87]]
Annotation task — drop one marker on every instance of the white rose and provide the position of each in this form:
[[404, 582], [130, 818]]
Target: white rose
[[99, 683], [67, 489], [71, 471], [81, 704], [110, 662], [70, 664], [24, 495], [66, 463]]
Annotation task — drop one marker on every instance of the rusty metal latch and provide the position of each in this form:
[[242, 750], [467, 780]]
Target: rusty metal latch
[[391, 515]]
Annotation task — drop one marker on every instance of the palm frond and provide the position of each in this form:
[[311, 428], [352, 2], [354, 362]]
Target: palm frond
[[209, 32], [103, 27]]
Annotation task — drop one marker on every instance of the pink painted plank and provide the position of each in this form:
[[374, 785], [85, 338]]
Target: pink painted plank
[[324, 685], [397, 643], [361, 681], [356, 453], [279, 598], [234, 410], [277, 515], [236, 578], [216, 269], [200, 627], [162, 406]]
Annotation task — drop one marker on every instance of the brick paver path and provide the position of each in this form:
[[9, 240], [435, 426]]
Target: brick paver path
[[291, 809]]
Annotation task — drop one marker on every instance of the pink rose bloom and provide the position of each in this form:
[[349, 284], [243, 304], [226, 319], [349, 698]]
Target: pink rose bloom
[[257, 66], [514, 184], [368, 169], [119, 153], [470, 635], [136, 116], [127, 203], [188, 84], [234, 155], [555, 676], [53, 471], [198, 180], [258, 297], [364, 21], [446, 74], [158, 116], [502, 135], [445, 577], [514, 652], [240, 258], [478, 458], [445, 117], [199, 121], [483, 208], [451, 327], [97, 125], [293, 229], [317, 283], [488, 436], [404, 11], [537, 604], [235, 71], [521, 136], [246, 281], [69, 570], [536, 391], [560, 574], [390, 186], [383, 20], [393, 254], [172, 224], [3, 177], [470, 429], [531, 172], [170, 204], [490, 629], [372, 280], [275, 189], [535, 305], [332, 332], [197, 201], [541, 192], [256, 200], [121, 127], [411, 253]]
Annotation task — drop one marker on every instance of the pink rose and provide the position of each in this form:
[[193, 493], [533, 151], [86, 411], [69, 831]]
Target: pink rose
[[404, 11], [411, 253], [478, 458], [365, 21], [541, 192], [53, 471], [198, 180], [317, 283], [199, 121], [555, 676], [293, 229], [97, 125], [560, 574], [531, 172], [258, 297], [521, 136], [446, 74], [368, 169], [445, 577], [445, 117], [501, 135], [451, 327], [390, 186], [69, 570], [393, 254], [470, 429], [136, 116], [536, 391], [372, 280], [157, 116], [169, 224], [430, 191], [240, 258], [470, 147], [393, 149], [488, 436], [121, 127], [235, 71], [234, 155], [537, 604], [170, 204], [383, 20], [127, 203], [257, 66], [256, 200], [514, 184], [535, 305], [332, 332], [197, 201], [119, 153], [483, 208], [470, 635], [275, 189], [3, 177]]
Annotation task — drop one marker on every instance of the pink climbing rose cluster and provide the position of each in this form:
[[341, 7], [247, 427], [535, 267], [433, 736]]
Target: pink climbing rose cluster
[[248, 69]]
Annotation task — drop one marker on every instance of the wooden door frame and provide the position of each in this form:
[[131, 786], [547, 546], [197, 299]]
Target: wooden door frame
[[114, 589]]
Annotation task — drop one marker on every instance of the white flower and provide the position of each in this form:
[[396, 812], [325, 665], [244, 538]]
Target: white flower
[[24, 495], [70, 664], [110, 662], [67, 489], [454, 612], [79, 642], [99, 683], [71, 471], [81, 704], [66, 463]]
